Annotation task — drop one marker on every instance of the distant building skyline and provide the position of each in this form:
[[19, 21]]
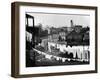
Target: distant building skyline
[[60, 20]]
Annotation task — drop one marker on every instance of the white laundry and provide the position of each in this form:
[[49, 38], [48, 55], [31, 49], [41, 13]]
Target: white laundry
[[48, 56]]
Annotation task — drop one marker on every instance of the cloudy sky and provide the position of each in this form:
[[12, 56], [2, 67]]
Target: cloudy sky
[[59, 20]]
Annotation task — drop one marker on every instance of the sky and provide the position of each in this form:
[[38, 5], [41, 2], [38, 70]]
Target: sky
[[60, 20]]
